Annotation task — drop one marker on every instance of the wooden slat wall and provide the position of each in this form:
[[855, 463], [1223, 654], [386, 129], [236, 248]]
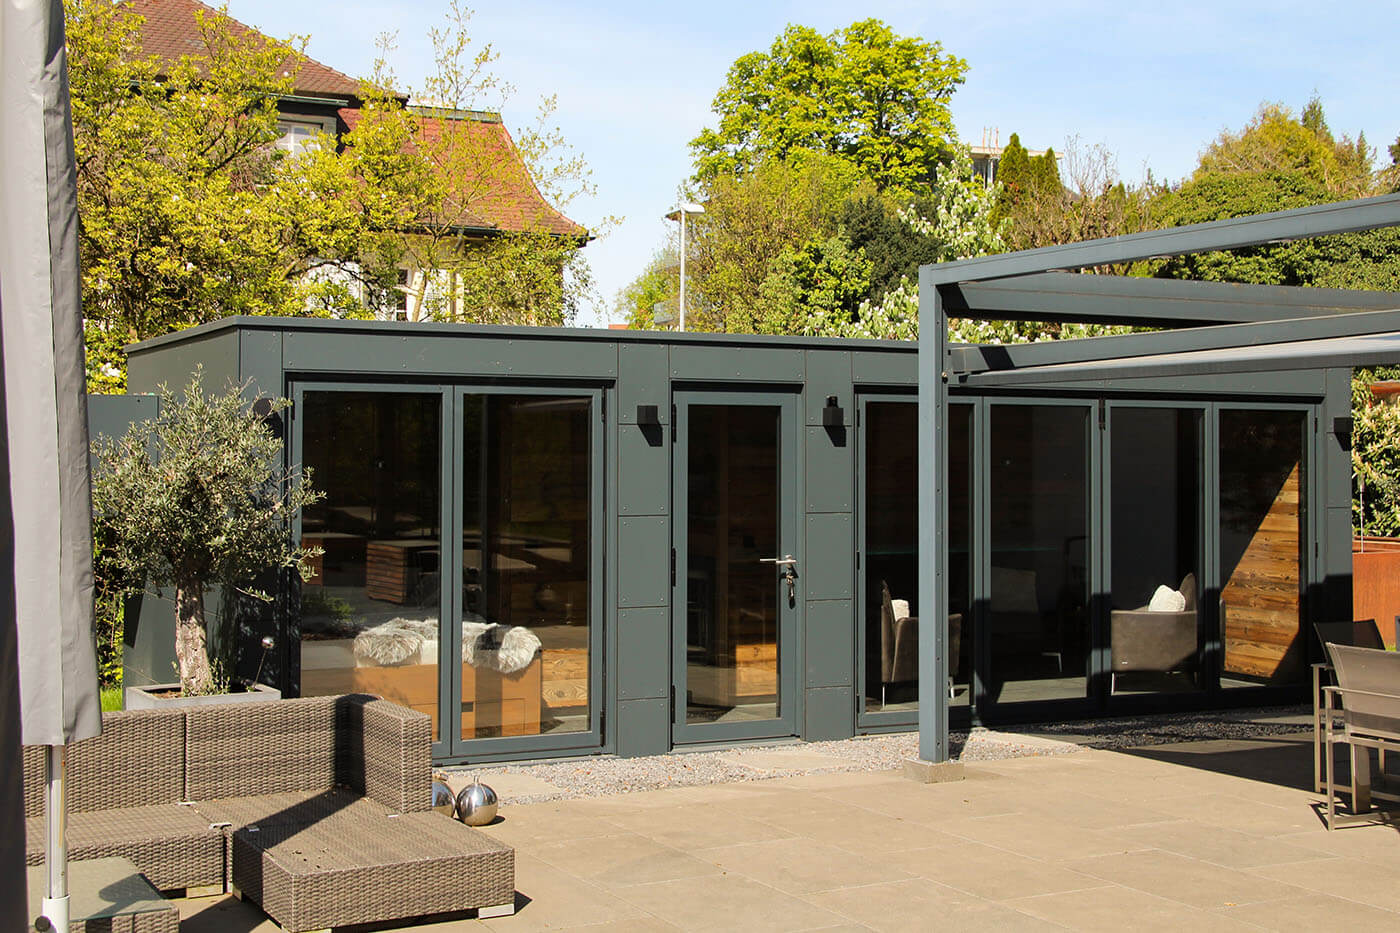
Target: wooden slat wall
[[1262, 597]]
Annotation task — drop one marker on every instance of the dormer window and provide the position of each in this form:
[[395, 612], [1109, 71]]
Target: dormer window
[[297, 136]]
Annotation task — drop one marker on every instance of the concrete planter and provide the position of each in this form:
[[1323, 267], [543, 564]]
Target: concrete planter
[[145, 697]]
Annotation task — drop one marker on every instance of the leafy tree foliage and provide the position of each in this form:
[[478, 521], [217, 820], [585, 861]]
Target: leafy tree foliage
[[814, 289], [863, 93], [198, 497], [188, 213]]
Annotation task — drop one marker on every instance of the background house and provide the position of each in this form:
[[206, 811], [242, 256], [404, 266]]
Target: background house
[[493, 193]]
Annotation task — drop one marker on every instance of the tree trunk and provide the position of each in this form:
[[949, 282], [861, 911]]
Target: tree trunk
[[196, 677]]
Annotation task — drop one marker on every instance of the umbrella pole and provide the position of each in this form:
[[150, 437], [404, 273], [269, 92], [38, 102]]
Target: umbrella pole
[[56, 822]]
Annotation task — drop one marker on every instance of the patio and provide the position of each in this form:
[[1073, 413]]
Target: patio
[[1218, 835]]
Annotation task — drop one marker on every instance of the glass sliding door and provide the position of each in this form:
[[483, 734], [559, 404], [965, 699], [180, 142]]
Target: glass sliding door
[[1263, 511], [889, 557], [738, 568], [1039, 519], [372, 616], [527, 556], [1156, 541]]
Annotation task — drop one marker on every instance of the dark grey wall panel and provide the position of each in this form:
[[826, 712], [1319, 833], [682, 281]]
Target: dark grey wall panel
[[829, 713], [643, 728], [111, 415], [643, 470], [644, 562], [148, 640], [1336, 465], [260, 360], [829, 373], [642, 379], [884, 368], [735, 364], [643, 653], [830, 470], [172, 363], [831, 642], [831, 548], [413, 355]]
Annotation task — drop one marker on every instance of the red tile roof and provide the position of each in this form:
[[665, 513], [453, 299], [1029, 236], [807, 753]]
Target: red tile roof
[[169, 31], [506, 198], [509, 202]]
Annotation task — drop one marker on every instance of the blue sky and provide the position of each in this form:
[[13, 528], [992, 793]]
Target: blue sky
[[1152, 83]]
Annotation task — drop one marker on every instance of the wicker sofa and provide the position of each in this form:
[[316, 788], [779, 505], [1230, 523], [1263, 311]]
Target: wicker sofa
[[317, 809]]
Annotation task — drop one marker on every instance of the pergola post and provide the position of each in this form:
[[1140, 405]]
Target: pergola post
[[933, 763]]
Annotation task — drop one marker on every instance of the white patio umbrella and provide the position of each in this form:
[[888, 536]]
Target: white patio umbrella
[[45, 420]]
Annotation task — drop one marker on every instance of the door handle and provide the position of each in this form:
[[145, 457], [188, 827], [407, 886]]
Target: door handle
[[786, 559], [789, 574]]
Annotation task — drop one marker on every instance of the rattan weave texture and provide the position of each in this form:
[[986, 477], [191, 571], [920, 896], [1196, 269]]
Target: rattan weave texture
[[407, 865], [260, 748], [138, 760], [385, 752], [174, 846]]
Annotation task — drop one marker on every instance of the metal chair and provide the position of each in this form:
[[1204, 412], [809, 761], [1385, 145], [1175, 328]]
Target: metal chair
[[1361, 633], [1368, 686]]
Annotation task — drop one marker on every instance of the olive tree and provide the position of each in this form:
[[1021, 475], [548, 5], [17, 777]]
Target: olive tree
[[198, 497]]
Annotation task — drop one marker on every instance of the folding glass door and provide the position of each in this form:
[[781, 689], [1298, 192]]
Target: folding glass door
[[461, 543], [738, 566]]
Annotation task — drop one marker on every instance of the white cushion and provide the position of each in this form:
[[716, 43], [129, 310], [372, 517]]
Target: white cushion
[[1166, 599], [901, 608]]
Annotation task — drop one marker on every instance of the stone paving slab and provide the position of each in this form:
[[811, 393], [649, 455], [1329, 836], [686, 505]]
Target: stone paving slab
[[1214, 835]]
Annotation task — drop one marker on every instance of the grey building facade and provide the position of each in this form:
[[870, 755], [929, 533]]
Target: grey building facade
[[564, 542]]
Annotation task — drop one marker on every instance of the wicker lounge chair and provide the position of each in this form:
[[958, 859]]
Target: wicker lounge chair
[[220, 796], [1368, 686]]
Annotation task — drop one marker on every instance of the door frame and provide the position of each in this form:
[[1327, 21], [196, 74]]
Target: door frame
[[790, 521], [459, 749], [298, 387]]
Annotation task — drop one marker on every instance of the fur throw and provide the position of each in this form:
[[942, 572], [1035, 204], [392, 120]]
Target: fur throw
[[1166, 599], [504, 648]]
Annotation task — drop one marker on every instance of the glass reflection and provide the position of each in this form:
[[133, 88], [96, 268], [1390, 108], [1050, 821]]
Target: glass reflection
[[890, 559], [371, 614], [526, 481], [1155, 464], [1038, 617], [731, 598]]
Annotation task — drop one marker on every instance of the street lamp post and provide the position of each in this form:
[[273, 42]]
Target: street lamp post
[[685, 207]]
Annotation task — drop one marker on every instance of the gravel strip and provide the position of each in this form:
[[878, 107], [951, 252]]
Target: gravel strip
[[603, 776]]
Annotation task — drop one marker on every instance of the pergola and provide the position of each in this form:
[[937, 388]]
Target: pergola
[[1211, 329]]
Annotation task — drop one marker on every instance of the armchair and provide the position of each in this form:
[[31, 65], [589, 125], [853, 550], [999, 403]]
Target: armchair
[[899, 645], [1157, 642]]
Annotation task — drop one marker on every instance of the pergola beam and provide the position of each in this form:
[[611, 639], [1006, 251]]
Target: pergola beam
[[1149, 302], [1234, 233]]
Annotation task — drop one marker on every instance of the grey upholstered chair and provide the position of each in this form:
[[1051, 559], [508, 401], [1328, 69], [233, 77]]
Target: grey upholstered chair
[[899, 645], [1368, 686], [1157, 642]]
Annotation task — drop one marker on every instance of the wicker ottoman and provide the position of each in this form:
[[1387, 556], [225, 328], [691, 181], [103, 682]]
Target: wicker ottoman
[[358, 867]]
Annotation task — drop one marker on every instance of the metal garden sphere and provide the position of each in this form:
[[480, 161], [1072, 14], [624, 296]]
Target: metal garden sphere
[[443, 799], [476, 804]]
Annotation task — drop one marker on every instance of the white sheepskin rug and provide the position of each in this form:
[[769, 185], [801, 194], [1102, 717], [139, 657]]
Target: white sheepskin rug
[[504, 648]]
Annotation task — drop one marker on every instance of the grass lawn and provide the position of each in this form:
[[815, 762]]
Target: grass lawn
[[111, 699]]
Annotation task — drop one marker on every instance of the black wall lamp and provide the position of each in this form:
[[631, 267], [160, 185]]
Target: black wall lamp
[[648, 415], [832, 415], [1341, 427]]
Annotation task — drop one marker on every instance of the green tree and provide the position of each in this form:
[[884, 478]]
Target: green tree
[[815, 289], [199, 497], [659, 283], [188, 213], [863, 93], [749, 221]]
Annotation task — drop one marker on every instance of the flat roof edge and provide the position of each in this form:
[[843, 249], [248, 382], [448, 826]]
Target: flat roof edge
[[405, 328]]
